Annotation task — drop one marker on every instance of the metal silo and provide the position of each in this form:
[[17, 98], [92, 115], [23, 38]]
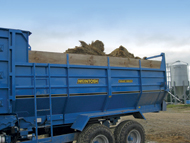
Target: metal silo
[[179, 78]]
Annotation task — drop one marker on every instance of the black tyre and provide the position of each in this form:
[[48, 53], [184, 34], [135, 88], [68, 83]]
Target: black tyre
[[96, 133], [129, 132]]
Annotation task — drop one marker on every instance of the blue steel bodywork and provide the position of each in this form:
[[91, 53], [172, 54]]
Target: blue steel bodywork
[[7, 121], [37, 94]]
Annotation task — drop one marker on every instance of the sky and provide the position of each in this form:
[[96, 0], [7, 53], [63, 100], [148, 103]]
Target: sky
[[144, 27]]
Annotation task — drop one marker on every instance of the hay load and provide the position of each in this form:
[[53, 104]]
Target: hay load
[[121, 52], [97, 48]]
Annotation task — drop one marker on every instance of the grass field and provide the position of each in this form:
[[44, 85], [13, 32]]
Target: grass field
[[181, 106]]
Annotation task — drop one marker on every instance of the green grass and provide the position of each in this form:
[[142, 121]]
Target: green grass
[[178, 106]]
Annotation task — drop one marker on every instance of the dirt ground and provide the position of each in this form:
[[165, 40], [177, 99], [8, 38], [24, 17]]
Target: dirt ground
[[171, 126]]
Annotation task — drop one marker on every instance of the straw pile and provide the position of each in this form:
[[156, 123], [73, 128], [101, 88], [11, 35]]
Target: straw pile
[[97, 48]]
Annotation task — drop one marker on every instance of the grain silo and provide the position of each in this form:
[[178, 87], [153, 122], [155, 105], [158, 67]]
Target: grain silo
[[179, 78]]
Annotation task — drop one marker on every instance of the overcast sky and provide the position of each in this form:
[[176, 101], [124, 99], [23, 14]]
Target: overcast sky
[[144, 27]]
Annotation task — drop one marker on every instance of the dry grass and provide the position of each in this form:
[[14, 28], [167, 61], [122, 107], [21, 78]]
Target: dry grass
[[97, 48]]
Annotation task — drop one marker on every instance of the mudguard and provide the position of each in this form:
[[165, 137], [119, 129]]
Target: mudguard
[[83, 119]]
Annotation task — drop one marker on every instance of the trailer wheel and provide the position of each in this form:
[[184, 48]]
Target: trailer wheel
[[129, 132], [96, 133]]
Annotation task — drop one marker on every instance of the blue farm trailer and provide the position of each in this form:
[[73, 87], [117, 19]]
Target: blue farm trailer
[[58, 97]]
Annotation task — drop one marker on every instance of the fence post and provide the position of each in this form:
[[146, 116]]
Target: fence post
[[175, 93], [184, 94]]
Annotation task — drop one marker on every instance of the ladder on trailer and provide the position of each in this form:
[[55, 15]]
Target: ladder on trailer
[[42, 110]]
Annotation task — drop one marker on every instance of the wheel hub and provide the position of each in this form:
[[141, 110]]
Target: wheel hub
[[134, 137], [100, 139]]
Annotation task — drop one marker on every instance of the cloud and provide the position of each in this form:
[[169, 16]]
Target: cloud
[[170, 41], [172, 56]]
